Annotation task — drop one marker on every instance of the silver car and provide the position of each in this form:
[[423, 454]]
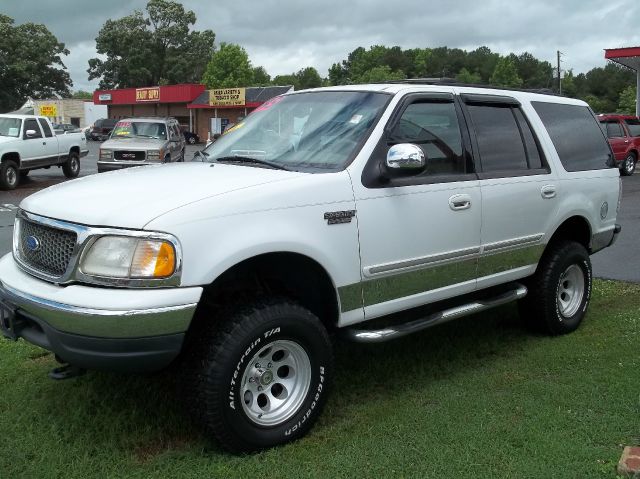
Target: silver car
[[142, 141]]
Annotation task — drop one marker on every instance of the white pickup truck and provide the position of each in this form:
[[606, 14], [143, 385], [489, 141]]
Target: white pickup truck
[[29, 142], [411, 204]]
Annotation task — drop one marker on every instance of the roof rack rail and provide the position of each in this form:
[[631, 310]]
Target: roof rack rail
[[454, 82]]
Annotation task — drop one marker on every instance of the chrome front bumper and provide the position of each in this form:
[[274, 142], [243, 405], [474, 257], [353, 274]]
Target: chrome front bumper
[[98, 328]]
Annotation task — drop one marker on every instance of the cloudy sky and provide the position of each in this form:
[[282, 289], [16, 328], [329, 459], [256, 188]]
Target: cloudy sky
[[287, 35]]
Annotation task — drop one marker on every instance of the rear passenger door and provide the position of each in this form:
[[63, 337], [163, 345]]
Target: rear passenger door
[[518, 188]]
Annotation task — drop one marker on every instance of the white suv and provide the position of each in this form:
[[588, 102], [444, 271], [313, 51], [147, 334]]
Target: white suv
[[323, 210]]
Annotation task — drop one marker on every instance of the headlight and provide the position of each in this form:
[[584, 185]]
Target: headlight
[[105, 154], [154, 155], [126, 257]]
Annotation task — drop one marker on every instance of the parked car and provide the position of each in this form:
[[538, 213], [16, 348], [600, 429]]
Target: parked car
[[623, 133], [101, 129], [64, 127], [28, 143], [190, 137], [142, 141], [393, 197]]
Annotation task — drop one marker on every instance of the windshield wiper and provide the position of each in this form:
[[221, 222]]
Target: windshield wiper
[[247, 159]]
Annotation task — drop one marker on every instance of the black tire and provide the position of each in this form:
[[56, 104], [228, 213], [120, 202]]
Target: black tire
[[559, 291], [71, 168], [221, 366], [192, 140], [9, 175], [628, 165]]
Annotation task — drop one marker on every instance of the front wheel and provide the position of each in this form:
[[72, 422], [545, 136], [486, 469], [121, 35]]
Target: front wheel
[[192, 140], [71, 168], [629, 165], [9, 175], [261, 379], [560, 290]]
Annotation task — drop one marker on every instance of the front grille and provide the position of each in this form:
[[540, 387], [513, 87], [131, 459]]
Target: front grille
[[129, 155], [44, 248]]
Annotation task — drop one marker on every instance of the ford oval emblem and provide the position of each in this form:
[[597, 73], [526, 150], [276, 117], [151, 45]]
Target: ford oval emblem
[[33, 243]]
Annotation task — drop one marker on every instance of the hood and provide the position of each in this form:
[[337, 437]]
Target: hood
[[133, 143], [133, 197]]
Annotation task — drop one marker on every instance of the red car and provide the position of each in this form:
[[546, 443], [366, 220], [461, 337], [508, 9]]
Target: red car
[[623, 132]]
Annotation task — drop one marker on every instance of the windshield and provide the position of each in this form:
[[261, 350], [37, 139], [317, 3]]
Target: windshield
[[139, 129], [316, 131], [634, 126], [10, 127]]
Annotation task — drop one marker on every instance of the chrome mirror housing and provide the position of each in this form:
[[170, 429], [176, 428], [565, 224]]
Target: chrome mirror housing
[[406, 156]]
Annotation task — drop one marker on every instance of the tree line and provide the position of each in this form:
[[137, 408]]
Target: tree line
[[159, 46]]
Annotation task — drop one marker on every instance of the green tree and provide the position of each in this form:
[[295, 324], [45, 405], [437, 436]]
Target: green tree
[[308, 78], [534, 73], [159, 48], [465, 76], [505, 74], [627, 101], [285, 80], [598, 105], [30, 64], [82, 95], [229, 67], [380, 74], [261, 77]]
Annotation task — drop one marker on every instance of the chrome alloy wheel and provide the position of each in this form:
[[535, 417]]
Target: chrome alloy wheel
[[11, 176], [629, 164], [275, 383], [570, 290]]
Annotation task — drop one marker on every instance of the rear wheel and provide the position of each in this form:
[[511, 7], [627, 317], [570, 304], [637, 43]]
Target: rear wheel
[[628, 165], [260, 378], [191, 140], [71, 168], [9, 175], [560, 290]]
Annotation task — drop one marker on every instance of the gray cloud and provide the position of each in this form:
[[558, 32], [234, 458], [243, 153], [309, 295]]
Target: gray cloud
[[286, 35]]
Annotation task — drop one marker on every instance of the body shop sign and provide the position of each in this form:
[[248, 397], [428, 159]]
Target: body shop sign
[[148, 94], [48, 110], [227, 97]]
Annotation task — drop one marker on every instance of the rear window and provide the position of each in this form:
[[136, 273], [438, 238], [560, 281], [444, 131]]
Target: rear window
[[576, 135], [633, 125]]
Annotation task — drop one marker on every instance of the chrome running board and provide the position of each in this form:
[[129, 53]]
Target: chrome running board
[[399, 330]]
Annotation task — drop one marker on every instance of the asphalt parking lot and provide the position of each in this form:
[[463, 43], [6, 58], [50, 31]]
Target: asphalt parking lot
[[621, 261]]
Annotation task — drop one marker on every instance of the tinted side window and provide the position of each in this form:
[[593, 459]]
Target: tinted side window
[[614, 129], [576, 135], [633, 126], [45, 128], [499, 140], [434, 128], [31, 125]]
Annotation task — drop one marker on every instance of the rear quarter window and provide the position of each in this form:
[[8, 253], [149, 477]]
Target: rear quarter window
[[576, 135]]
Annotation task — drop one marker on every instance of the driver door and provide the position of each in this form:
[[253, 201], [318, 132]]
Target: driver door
[[419, 232]]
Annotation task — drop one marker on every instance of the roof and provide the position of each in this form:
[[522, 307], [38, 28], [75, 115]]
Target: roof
[[628, 57], [254, 96]]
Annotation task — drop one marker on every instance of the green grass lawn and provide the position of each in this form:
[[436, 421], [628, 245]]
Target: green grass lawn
[[476, 398]]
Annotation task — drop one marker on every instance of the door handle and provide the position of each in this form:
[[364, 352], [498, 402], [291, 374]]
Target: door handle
[[548, 191], [460, 202]]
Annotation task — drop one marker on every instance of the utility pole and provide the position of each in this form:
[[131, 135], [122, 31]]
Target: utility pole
[[559, 74]]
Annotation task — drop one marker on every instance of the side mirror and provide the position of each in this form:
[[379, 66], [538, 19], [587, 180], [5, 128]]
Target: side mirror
[[406, 156], [31, 133]]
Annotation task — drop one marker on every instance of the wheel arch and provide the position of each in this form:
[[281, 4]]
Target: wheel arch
[[11, 156], [575, 228], [294, 275]]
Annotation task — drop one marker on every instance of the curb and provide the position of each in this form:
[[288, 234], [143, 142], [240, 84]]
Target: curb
[[630, 461]]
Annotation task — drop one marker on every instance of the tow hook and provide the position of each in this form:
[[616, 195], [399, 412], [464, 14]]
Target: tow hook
[[66, 371]]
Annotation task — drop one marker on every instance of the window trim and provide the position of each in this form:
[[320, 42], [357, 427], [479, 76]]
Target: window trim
[[371, 177], [511, 104], [24, 131]]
